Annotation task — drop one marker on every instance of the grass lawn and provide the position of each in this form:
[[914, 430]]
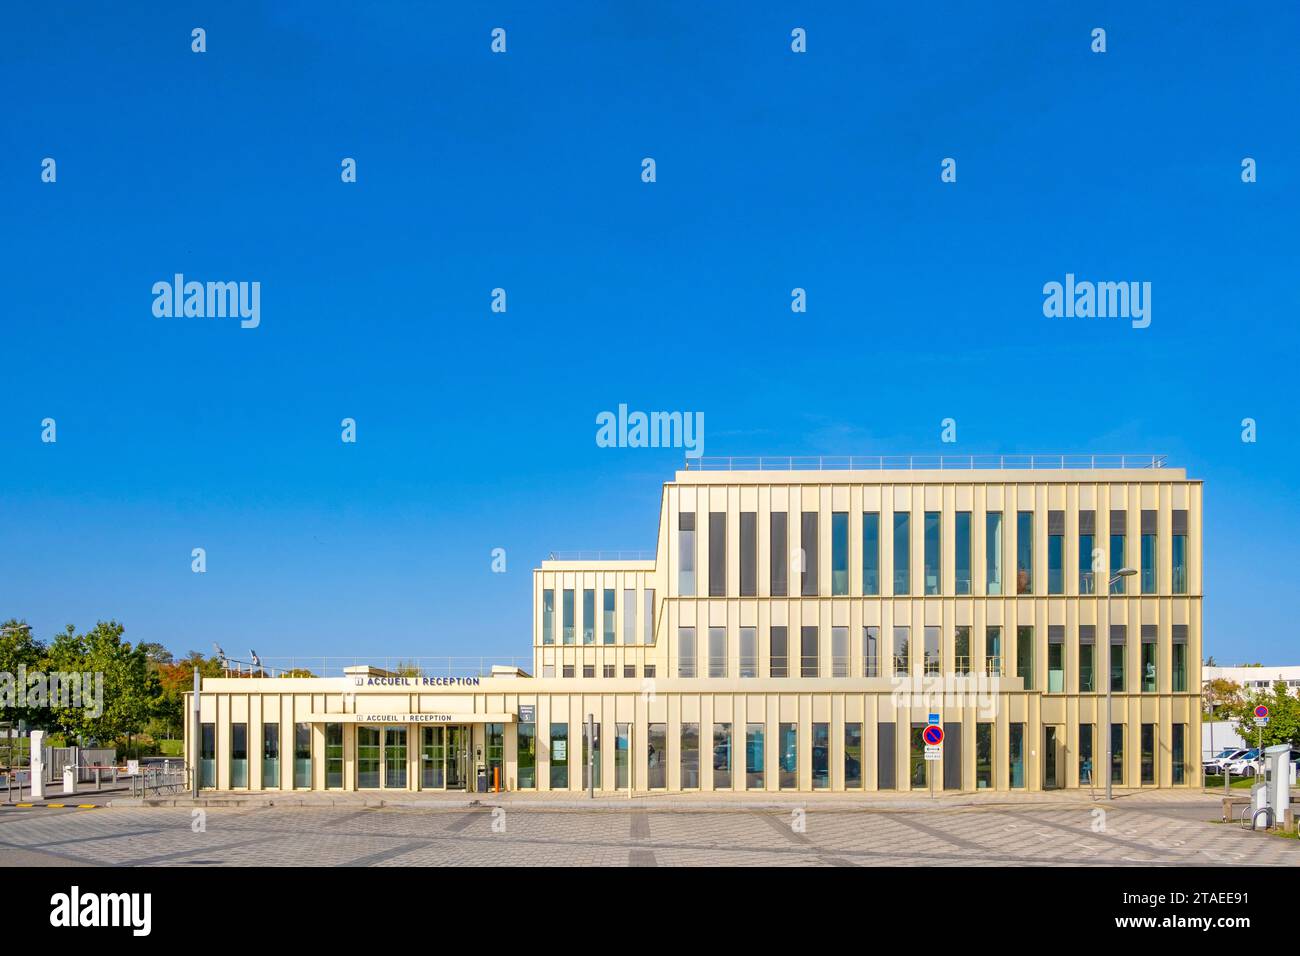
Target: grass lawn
[[1238, 783]]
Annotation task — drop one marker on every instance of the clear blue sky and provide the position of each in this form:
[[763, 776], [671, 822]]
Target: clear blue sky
[[476, 430]]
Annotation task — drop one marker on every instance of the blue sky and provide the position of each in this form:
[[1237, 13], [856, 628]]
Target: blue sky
[[476, 430]]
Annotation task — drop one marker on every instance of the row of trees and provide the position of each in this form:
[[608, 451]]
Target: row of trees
[[1227, 700]]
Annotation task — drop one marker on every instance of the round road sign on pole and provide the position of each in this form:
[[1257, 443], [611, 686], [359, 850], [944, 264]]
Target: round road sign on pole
[[933, 735], [1261, 712]]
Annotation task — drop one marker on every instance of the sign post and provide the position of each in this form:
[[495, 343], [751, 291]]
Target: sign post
[[933, 737], [197, 730], [1261, 718]]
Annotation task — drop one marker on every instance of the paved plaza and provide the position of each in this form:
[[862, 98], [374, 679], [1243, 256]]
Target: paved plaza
[[1137, 830]]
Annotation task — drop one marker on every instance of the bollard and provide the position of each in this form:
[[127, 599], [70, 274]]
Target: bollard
[[69, 779], [99, 782]]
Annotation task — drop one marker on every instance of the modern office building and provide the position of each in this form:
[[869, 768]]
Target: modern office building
[[797, 628]]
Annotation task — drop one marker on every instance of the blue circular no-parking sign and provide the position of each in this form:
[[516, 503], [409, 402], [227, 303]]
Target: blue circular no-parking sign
[[933, 735]]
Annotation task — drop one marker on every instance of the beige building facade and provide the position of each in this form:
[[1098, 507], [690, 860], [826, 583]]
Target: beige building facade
[[798, 627]]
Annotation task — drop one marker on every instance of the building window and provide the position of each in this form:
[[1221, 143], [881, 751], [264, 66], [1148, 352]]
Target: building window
[[840, 552], [548, 670], [839, 652], [962, 539], [754, 757], [717, 554], [1025, 655], [629, 670], [902, 553], [566, 670], [788, 756], [629, 616], [1025, 552], [1118, 649], [525, 754], [717, 652], [686, 554], [821, 756], [650, 671], [648, 622], [1117, 754], [748, 554], [592, 779], [780, 651], [993, 651], [1148, 552], [808, 652], [588, 670], [1055, 658], [686, 652], [748, 652], [1178, 584], [871, 651], [567, 636], [238, 756], [208, 755], [1087, 658], [961, 650], [588, 616], [853, 756], [932, 552], [1179, 668], [690, 756], [778, 560], [608, 617], [983, 756], [1149, 635], [885, 762], [1148, 760], [1056, 552], [548, 616], [1118, 529], [622, 760], [657, 757], [1085, 755], [1087, 541], [302, 756], [1179, 747], [917, 765], [609, 670], [1016, 755], [808, 550], [270, 756], [722, 756], [932, 660], [871, 553], [993, 552], [559, 756], [902, 653], [395, 757], [334, 756], [369, 753]]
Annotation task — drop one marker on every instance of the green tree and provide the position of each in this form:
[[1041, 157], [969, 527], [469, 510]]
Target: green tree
[[131, 690], [1283, 725], [19, 647]]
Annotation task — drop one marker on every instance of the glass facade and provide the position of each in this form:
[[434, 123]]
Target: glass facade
[[1179, 748], [690, 756], [871, 553], [1117, 563], [1118, 655], [853, 756], [993, 650], [302, 756], [568, 616], [526, 754], [821, 756], [717, 554], [1055, 660], [1055, 564], [368, 758], [657, 757], [686, 554], [622, 755], [1085, 755], [1025, 655], [778, 559], [933, 551], [589, 616], [983, 756], [1147, 759], [902, 652], [1025, 552], [870, 651], [238, 756], [717, 652], [808, 659], [1016, 755], [207, 755], [590, 749], [1085, 564], [270, 756], [1117, 754], [780, 659], [748, 652], [648, 618], [1178, 670], [1179, 579], [559, 756], [993, 552], [1148, 663], [686, 652], [748, 554], [962, 542], [931, 649], [961, 650], [1148, 564], [395, 757], [607, 616], [902, 552], [839, 652], [496, 755], [808, 552], [788, 756], [840, 553], [1087, 662], [333, 756], [722, 756], [548, 616], [754, 754], [918, 766]]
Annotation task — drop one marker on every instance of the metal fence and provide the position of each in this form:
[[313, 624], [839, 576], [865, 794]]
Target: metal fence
[[85, 759], [921, 462], [290, 667]]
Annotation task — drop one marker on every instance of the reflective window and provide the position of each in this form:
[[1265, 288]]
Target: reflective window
[[748, 554], [622, 734], [961, 650], [932, 639], [993, 552], [902, 552], [1055, 659], [1148, 758], [548, 616], [1025, 552], [239, 755], [1148, 662], [1056, 564], [808, 652], [821, 756], [779, 561], [918, 766], [932, 552], [993, 650], [780, 660], [588, 616], [208, 756], [717, 554], [871, 651], [1087, 659], [607, 635], [395, 757], [568, 616], [629, 616], [368, 758], [722, 756], [1179, 667], [525, 753], [690, 756], [1117, 754], [1117, 562], [962, 540], [270, 756], [1085, 563], [559, 756], [871, 552], [686, 553], [788, 756], [592, 780], [754, 756], [840, 552], [983, 756], [1179, 747], [1016, 755], [333, 756], [808, 550], [902, 653], [1025, 655], [657, 757], [1118, 653], [852, 756], [748, 652], [648, 618], [717, 652], [1180, 564], [839, 652], [1085, 755], [686, 652], [1148, 564], [302, 756]]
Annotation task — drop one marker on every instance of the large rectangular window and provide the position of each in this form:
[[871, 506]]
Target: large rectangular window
[[1055, 658], [1088, 563], [395, 757], [886, 763], [270, 756], [333, 756], [748, 554], [238, 756], [607, 616], [1149, 635], [993, 651], [902, 553], [779, 561], [208, 755], [690, 756], [590, 751], [1025, 655], [933, 636], [722, 756], [962, 542], [717, 554], [918, 766], [1087, 658], [871, 651], [808, 550], [686, 553], [1179, 748], [1148, 552], [686, 655], [548, 616], [1056, 552], [984, 756], [717, 652], [754, 757], [821, 756], [748, 652], [629, 616], [787, 740], [1178, 675], [1118, 530], [933, 552], [525, 753], [589, 616], [780, 665], [622, 755], [657, 757], [839, 652], [1085, 755], [369, 757], [1118, 653], [902, 652], [433, 758], [302, 756], [871, 552], [559, 756], [1117, 754], [568, 616], [808, 652], [1025, 552], [1016, 755], [961, 650], [1148, 755], [1178, 582], [993, 552], [648, 618], [840, 552], [853, 756]]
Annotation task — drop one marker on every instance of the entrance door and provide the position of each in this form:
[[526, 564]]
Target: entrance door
[[1051, 780], [433, 758], [457, 757], [395, 758]]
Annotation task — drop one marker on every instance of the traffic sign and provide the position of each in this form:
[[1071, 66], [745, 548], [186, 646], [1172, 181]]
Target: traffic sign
[[1261, 712], [934, 719], [933, 735], [933, 753]]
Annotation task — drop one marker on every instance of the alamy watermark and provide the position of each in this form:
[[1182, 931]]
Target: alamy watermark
[[211, 300], [938, 692], [61, 690], [651, 430], [1101, 300]]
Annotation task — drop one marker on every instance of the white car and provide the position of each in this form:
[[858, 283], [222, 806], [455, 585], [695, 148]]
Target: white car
[[1245, 765], [1215, 764]]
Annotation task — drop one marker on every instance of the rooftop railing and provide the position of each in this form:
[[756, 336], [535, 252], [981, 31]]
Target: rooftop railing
[[922, 462], [317, 666], [600, 556]]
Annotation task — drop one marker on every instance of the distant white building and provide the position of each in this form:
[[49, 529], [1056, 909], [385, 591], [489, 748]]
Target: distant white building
[[1255, 679]]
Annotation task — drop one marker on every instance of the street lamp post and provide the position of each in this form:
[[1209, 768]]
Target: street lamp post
[[1118, 576], [12, 741]]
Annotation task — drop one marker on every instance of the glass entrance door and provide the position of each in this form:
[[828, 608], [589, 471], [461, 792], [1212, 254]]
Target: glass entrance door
[[1050, 763], [457, 757], [433, 758], [395, 758]]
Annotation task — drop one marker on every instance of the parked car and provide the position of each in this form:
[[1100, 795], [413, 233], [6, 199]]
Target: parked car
[[1215, 764], [1245, 765]]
